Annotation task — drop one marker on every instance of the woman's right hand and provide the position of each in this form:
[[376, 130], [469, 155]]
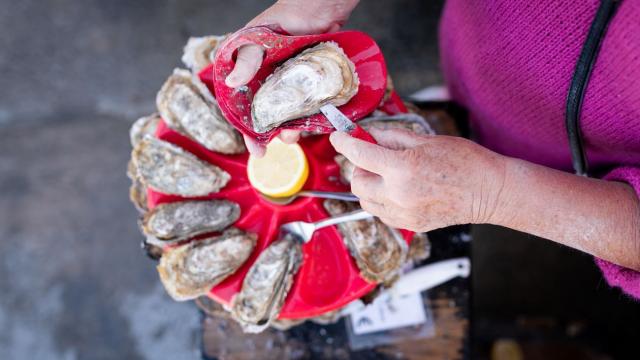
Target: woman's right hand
[[297, 17]]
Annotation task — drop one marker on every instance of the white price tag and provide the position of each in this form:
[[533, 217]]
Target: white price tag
[[389, 312]]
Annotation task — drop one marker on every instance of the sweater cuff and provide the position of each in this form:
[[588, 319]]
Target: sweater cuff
[[626, 279]]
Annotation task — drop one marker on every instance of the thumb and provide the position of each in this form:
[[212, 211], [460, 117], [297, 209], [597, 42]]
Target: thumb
[[397, 139], [254, 148], [248, 62]]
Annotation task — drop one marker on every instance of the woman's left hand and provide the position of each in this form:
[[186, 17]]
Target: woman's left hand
[[421, 183]]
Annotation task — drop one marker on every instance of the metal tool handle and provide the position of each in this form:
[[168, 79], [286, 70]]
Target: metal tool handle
[[352, 216], [335, 195]]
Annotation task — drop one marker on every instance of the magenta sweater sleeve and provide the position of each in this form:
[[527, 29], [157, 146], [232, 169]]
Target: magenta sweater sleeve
[[626, 279]]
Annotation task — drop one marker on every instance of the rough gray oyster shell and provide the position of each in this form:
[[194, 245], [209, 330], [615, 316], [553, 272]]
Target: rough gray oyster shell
[[266, 285], [200, 51], [317, 76], [186, 106], [178, 221], [137, 190], [191, 270], [142, 127], [379, 251], [169, 169]]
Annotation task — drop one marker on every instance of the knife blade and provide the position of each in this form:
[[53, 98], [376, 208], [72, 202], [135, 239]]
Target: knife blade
[[342, 123]]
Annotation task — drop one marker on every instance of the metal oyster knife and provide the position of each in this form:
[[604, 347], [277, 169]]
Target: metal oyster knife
[[342, 123]]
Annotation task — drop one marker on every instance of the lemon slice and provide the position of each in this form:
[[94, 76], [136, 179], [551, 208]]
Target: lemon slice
[[282, 171]]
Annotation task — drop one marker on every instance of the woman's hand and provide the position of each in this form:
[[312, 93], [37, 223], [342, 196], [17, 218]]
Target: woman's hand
[[422, 183], [297, 17]]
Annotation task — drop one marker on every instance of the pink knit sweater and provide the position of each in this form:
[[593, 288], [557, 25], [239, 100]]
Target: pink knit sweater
[[510, 63]]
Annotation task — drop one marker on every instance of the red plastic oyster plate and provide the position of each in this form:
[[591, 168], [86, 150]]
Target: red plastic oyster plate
[[236, 103]]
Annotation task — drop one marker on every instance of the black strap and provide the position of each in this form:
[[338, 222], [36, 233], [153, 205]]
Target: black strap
[[580, 80]]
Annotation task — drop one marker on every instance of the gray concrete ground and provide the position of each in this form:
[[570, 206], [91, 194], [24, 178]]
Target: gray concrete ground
[[73, 282]]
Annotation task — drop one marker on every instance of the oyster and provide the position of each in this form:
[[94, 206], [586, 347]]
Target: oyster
[[266, 285], [346, 168], [191, 270], [318, 76], [199, 51], [137, 190], [145, 125], [379, 250], [411, 122], [171, 170], [153, 252], [182, 220], [420, 248], [187, 107]]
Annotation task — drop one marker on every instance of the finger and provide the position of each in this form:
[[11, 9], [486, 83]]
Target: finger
[[367, 186], [248, 62], [254, 148], [289, 136], [397, 139], [362, 154]]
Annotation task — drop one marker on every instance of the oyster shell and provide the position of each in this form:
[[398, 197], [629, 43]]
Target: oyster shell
[[379, 250], [145, 125], [191, 270], [187, 107], [171, 170], [137, 190], [153, 252], [266, 285], [420, 248], [178, 221], [318, 76], [199, 51]]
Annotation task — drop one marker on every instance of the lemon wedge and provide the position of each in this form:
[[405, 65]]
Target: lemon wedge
[[281, 172]]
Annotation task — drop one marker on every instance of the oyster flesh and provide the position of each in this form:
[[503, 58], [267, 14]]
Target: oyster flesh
[[169, 169], [318, 76], [191, 270], [199, 51], [187, 106], [145, 125], [379, 250], [266, 285], [178, 221]]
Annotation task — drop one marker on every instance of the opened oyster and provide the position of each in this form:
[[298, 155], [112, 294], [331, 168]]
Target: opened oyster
[[192, 269], [171, 170], [379, 250], [200, 51], [142, 127], [318, 76], [187, 107], [182, 220], [266, 285]]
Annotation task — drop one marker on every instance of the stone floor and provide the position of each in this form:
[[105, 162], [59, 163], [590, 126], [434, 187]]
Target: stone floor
[[73, 283]]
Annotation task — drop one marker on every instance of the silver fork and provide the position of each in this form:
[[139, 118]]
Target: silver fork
[[303, 230]]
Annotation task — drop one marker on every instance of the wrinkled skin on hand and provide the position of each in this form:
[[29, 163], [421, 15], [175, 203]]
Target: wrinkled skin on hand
[[424, 182]]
